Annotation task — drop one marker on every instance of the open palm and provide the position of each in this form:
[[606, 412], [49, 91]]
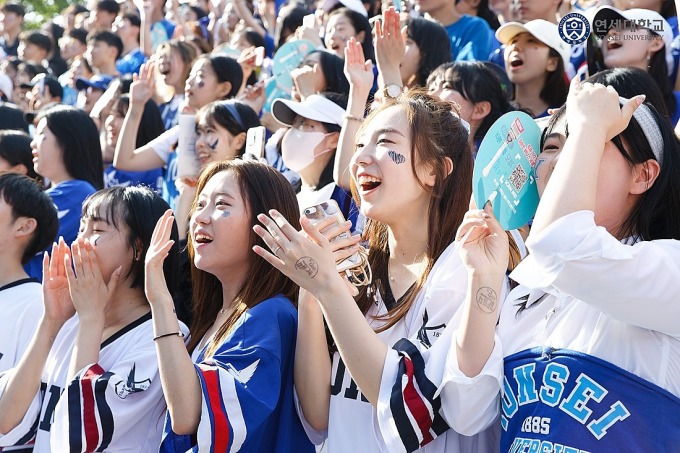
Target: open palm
[[56, 296]]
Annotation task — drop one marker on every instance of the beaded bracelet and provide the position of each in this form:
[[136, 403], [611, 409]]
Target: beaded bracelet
[[179, 334]]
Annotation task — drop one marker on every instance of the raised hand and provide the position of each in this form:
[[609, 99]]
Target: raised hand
[[358, 70], [56, 296], [90, 294], [483, 245], [143, 85], [595, 106], [305, 80], [154, 277], [308, 261], [390, 41]]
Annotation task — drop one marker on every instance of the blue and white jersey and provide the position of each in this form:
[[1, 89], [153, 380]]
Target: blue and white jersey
[[565, 401], [153, 179], [247, 388]]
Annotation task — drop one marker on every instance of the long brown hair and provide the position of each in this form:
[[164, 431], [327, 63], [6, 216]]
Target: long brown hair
[[436, 133], [262, 188]]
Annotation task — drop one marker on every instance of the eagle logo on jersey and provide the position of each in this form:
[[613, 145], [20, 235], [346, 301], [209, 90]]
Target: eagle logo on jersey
[[425, 333], [244, 375], [124, 388]]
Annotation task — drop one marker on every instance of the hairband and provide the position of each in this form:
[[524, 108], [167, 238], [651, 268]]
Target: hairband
[[643, 115], [229, 105]]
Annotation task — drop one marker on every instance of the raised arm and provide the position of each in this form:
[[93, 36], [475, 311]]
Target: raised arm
[[244, 13], [181, 386], [312, 359], [359, 72], [310, 264], [485, 252], [594, 117], [390, 46], [24, 381], [126, 157]]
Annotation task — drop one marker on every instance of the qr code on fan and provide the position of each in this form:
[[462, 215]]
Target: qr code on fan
[[518, 178]]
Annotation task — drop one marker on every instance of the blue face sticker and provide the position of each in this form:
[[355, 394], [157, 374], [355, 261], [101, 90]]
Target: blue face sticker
[[226, 213], [95, 239], [396, 157], [213, 145], [539, 162]]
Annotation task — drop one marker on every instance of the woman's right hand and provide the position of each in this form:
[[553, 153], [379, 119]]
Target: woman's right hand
[[482, 242], [155, 287], [56, 297], [342, 248], [143, 85], [358, 70]]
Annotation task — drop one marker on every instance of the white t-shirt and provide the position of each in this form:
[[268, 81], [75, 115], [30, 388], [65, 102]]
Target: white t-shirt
[[22, 307], [356, 426]]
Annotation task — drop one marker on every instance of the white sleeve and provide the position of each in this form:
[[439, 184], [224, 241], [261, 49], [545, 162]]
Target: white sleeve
[[315, 437], [100, 407], [26, 429], [162, 145], [636, 284]]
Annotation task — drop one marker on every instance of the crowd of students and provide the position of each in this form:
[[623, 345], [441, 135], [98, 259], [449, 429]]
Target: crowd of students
[[169, 285]]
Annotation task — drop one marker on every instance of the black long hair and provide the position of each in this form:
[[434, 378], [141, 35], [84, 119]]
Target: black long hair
[[433, 43], [78, 137]]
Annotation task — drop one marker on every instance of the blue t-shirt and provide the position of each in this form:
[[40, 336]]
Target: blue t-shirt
[[68, 198], [161, 32], [152, 179], [130, 63], [247, 388], [470, 38], [170, 192]]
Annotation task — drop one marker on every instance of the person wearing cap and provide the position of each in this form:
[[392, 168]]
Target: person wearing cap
[[590, 337], [12, 19], [638, 38], [309, 146], [90, 90], [535, 60]]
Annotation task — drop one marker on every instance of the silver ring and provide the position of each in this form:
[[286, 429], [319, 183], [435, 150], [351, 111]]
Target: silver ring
[[275, 252]]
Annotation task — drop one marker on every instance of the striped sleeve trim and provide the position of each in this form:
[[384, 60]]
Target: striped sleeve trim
[[413, 404], [226, 430], [89, 415]]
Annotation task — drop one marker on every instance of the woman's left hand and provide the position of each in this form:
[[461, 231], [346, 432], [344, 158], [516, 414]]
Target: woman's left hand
[[591, 106], [91, 295], [308, 261]]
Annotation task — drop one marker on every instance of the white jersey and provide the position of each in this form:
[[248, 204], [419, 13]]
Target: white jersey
[[591, 343], [114, 405], [21, 306], [410, 414]]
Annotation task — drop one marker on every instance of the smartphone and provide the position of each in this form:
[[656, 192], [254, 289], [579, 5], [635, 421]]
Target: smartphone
[[330, 209], [255, 139], [309, 21]]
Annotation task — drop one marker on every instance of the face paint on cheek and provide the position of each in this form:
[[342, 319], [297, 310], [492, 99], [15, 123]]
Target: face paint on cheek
[[213, 145], [226, 214], [539, 162], [396, 157], [95, 239], [200, 84]]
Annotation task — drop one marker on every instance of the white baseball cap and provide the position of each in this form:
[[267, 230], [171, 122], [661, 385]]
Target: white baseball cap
[[607, 16], [314, 107], [544, 31]]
